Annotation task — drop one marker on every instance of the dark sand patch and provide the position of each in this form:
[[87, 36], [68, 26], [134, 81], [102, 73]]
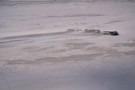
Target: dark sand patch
[[115, 21], [124, 44], [129, 53], [58, 50], [37, 48], [56, 59], [77, 45], [32, 36], [77, 15], [109, 52]]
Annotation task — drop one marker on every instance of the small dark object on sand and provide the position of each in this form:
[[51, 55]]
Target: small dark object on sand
[[113, 33], [92, 30], [70, 30], [73, 30]]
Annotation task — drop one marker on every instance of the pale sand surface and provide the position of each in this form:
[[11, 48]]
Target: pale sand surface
[[38, 54]]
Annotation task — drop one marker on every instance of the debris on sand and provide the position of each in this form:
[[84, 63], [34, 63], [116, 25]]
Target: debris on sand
[[92, 30], [73, 30], [113, 33]]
